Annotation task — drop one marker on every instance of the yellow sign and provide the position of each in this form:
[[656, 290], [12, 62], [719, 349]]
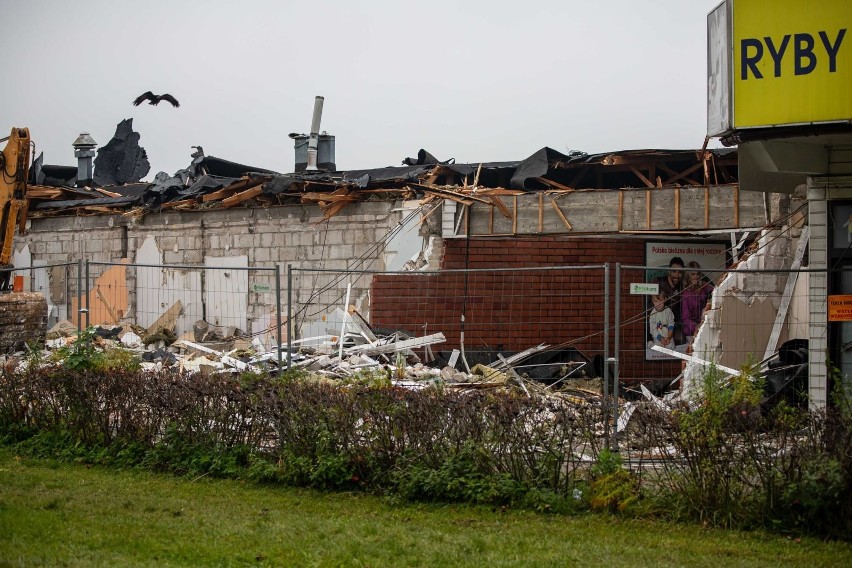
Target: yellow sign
[[840, 308], [792, 62]]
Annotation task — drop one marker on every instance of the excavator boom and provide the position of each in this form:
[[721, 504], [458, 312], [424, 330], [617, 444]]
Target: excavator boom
[[14, 169]]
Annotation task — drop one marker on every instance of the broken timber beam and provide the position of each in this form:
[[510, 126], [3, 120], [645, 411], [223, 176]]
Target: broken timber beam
[[641, 176], [242, 196], [560, 214]]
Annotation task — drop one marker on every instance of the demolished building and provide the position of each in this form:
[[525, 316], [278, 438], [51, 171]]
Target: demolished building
[[206, 240]]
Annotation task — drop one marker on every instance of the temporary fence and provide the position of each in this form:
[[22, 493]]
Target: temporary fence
[[481, 313], [730, 317], [235, 301]]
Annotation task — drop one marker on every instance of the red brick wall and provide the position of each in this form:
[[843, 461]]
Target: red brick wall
[[514, 310]]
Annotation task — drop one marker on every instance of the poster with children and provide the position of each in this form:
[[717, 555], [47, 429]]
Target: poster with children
[[674, 316]]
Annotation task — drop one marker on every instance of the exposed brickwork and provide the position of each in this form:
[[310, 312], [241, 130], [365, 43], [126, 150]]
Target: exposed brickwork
[[514, 310]]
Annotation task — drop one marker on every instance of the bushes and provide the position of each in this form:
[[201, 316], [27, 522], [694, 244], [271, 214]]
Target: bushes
[[732, 463], [729, 463]]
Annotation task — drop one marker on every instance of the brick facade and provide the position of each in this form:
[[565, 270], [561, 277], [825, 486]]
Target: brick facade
[[513, 310]]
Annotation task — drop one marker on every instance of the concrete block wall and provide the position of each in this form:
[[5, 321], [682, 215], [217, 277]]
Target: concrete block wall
[[295, 235]]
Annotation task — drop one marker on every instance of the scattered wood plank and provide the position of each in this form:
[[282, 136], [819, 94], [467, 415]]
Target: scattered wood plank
[[113, 317], [242, 196], [173, 204], [677, 208], [313, 196], [801, 247], [515, 216], [675, 176], [641, 176], [648, 210], [168, 320], [554, 184], [497, 202], [560, 214], [457, 199], [239, 185]]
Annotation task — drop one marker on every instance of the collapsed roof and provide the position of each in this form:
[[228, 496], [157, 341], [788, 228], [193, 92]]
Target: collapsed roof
[[214, 182]]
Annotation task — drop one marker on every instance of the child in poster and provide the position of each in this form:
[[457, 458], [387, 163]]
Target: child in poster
[[661, 322]]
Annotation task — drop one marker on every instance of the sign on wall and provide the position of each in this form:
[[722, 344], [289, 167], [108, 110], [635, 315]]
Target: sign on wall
[[840, 307], [790, 62], [672, 319], [719, 70]]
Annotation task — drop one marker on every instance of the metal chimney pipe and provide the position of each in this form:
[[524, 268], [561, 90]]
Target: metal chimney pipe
[[313, 141], [84, 150]]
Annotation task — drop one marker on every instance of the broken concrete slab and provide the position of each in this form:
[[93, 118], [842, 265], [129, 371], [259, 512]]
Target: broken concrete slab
[[63, 328]]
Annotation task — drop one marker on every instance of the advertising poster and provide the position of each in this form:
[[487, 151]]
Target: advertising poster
[[673, 316]]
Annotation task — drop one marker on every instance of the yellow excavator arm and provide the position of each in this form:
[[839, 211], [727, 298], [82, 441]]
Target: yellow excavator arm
[[14, 169]]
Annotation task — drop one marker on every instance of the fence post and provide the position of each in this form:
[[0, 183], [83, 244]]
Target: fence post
[[278, 311], [68, 315], [87, 292], [606, 353], [79, 295], [289, 316], [616, 353]]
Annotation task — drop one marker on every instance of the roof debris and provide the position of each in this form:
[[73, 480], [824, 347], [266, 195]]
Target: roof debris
[[213, 182]]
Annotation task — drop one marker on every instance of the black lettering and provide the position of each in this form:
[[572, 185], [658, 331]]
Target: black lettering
[[832, 49], [750, 62], [777, 54], [804, 50]]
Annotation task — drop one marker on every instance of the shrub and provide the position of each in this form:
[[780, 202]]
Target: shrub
[[732, 465]]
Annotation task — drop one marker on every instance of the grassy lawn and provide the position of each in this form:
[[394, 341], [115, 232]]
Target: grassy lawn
[[66, 515]]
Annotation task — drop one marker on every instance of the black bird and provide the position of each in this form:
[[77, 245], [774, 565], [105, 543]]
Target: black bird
[[155, 99]]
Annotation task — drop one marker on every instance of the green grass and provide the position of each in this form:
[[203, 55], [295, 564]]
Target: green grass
[[56, 514]]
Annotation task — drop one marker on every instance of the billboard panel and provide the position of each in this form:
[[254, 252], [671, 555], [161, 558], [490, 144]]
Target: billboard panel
[[792, 62], [673, 316], [719, 70]]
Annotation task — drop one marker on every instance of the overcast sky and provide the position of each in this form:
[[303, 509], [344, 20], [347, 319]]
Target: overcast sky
[[472, 80]]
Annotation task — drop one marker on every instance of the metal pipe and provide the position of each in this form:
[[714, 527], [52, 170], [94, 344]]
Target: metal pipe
[[289, 317], [606, 352], [87, 293], [313, 141], [615, 354], [278, 312], [80, 295], [315, 120]]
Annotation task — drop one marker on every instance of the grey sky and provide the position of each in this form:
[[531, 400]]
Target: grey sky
[[474, 80]]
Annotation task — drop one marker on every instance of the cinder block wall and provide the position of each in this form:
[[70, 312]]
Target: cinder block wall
[[295, 235]]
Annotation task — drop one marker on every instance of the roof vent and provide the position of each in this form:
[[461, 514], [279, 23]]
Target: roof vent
[[84, 150], [314, 152]]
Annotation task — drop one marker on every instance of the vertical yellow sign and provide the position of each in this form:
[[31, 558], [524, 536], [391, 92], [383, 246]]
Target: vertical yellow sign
[[792, 62]]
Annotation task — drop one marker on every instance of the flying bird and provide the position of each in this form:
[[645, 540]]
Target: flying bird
[[155, 99]]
